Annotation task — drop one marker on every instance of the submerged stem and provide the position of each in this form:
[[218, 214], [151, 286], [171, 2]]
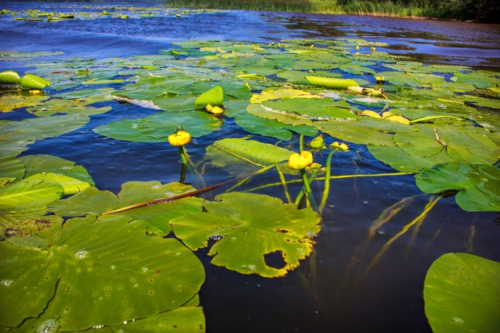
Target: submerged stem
[[182, 152], [326, 191], [432, 202], [334, 177], [283, 181]]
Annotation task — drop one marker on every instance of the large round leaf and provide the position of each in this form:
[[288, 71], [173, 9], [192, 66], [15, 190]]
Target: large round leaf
[[248, 227], [478, 184], [97, 272], [29, 194], [462, 294]]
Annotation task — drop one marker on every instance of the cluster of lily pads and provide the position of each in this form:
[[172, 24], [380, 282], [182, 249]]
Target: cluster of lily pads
[[120, 13], [67, 246]]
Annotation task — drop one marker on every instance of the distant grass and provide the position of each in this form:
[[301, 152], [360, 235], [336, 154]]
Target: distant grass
[[441, 9]]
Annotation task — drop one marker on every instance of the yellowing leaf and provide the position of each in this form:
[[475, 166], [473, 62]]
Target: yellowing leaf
[[271, 94], [370, 113]]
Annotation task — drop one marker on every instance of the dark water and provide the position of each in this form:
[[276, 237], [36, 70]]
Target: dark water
[[333, 290]]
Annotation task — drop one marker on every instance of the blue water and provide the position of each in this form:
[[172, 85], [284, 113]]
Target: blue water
[[331, 291]]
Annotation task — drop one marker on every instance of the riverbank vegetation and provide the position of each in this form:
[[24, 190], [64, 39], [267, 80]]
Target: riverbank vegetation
[[476, 10]]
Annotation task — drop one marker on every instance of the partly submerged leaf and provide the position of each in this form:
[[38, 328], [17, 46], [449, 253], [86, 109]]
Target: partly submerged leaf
[[249, 227], [245, 155], [89, 282], [462, 294], [478, 184]]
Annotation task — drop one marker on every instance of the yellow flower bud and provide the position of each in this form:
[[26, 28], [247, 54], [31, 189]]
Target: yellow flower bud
[[215, 110], [179, 138], [373, 49], [300, 161], [357, 47], [339, 146], [317, 142]]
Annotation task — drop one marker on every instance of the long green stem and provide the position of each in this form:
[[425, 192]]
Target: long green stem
[[308, 191], [334, 177], [182, 152], [300, 196], [244, 180], [283, 181], [326, 191], [301, 143]]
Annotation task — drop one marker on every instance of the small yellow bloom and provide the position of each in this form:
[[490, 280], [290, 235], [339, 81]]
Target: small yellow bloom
[[357, 47], [318, 142], [300, 161], [379, 79], [339, 146], [215, 110], [373, 49], [179, 138]]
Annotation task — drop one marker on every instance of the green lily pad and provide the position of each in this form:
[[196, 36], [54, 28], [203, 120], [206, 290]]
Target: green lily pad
[[246, 234], [271, 128], [97, 284], [462, 294], [478, 185], [310, 108], [11, 169], [10, 103], [158, 127], [364, 130]]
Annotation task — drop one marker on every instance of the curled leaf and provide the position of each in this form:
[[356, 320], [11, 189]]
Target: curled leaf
[[30, 81]]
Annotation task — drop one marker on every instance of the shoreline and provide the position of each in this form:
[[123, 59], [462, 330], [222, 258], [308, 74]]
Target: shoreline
[[315, 7]]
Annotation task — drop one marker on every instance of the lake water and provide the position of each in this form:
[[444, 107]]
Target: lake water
[[333, 290]]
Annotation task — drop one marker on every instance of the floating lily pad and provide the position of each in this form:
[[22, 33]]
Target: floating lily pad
[[478, 185], [10, 103], [119, 282], [461, 294], [11, 169], [249, 227], [158, 127], [314, 109]]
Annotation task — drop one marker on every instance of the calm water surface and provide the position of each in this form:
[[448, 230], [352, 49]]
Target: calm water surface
[[333, 290]]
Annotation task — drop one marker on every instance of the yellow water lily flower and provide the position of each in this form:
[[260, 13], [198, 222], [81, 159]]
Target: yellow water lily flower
[[215, 110], [339, 146], [179, 138], [298, 161], [373, 49], [379, 79]]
